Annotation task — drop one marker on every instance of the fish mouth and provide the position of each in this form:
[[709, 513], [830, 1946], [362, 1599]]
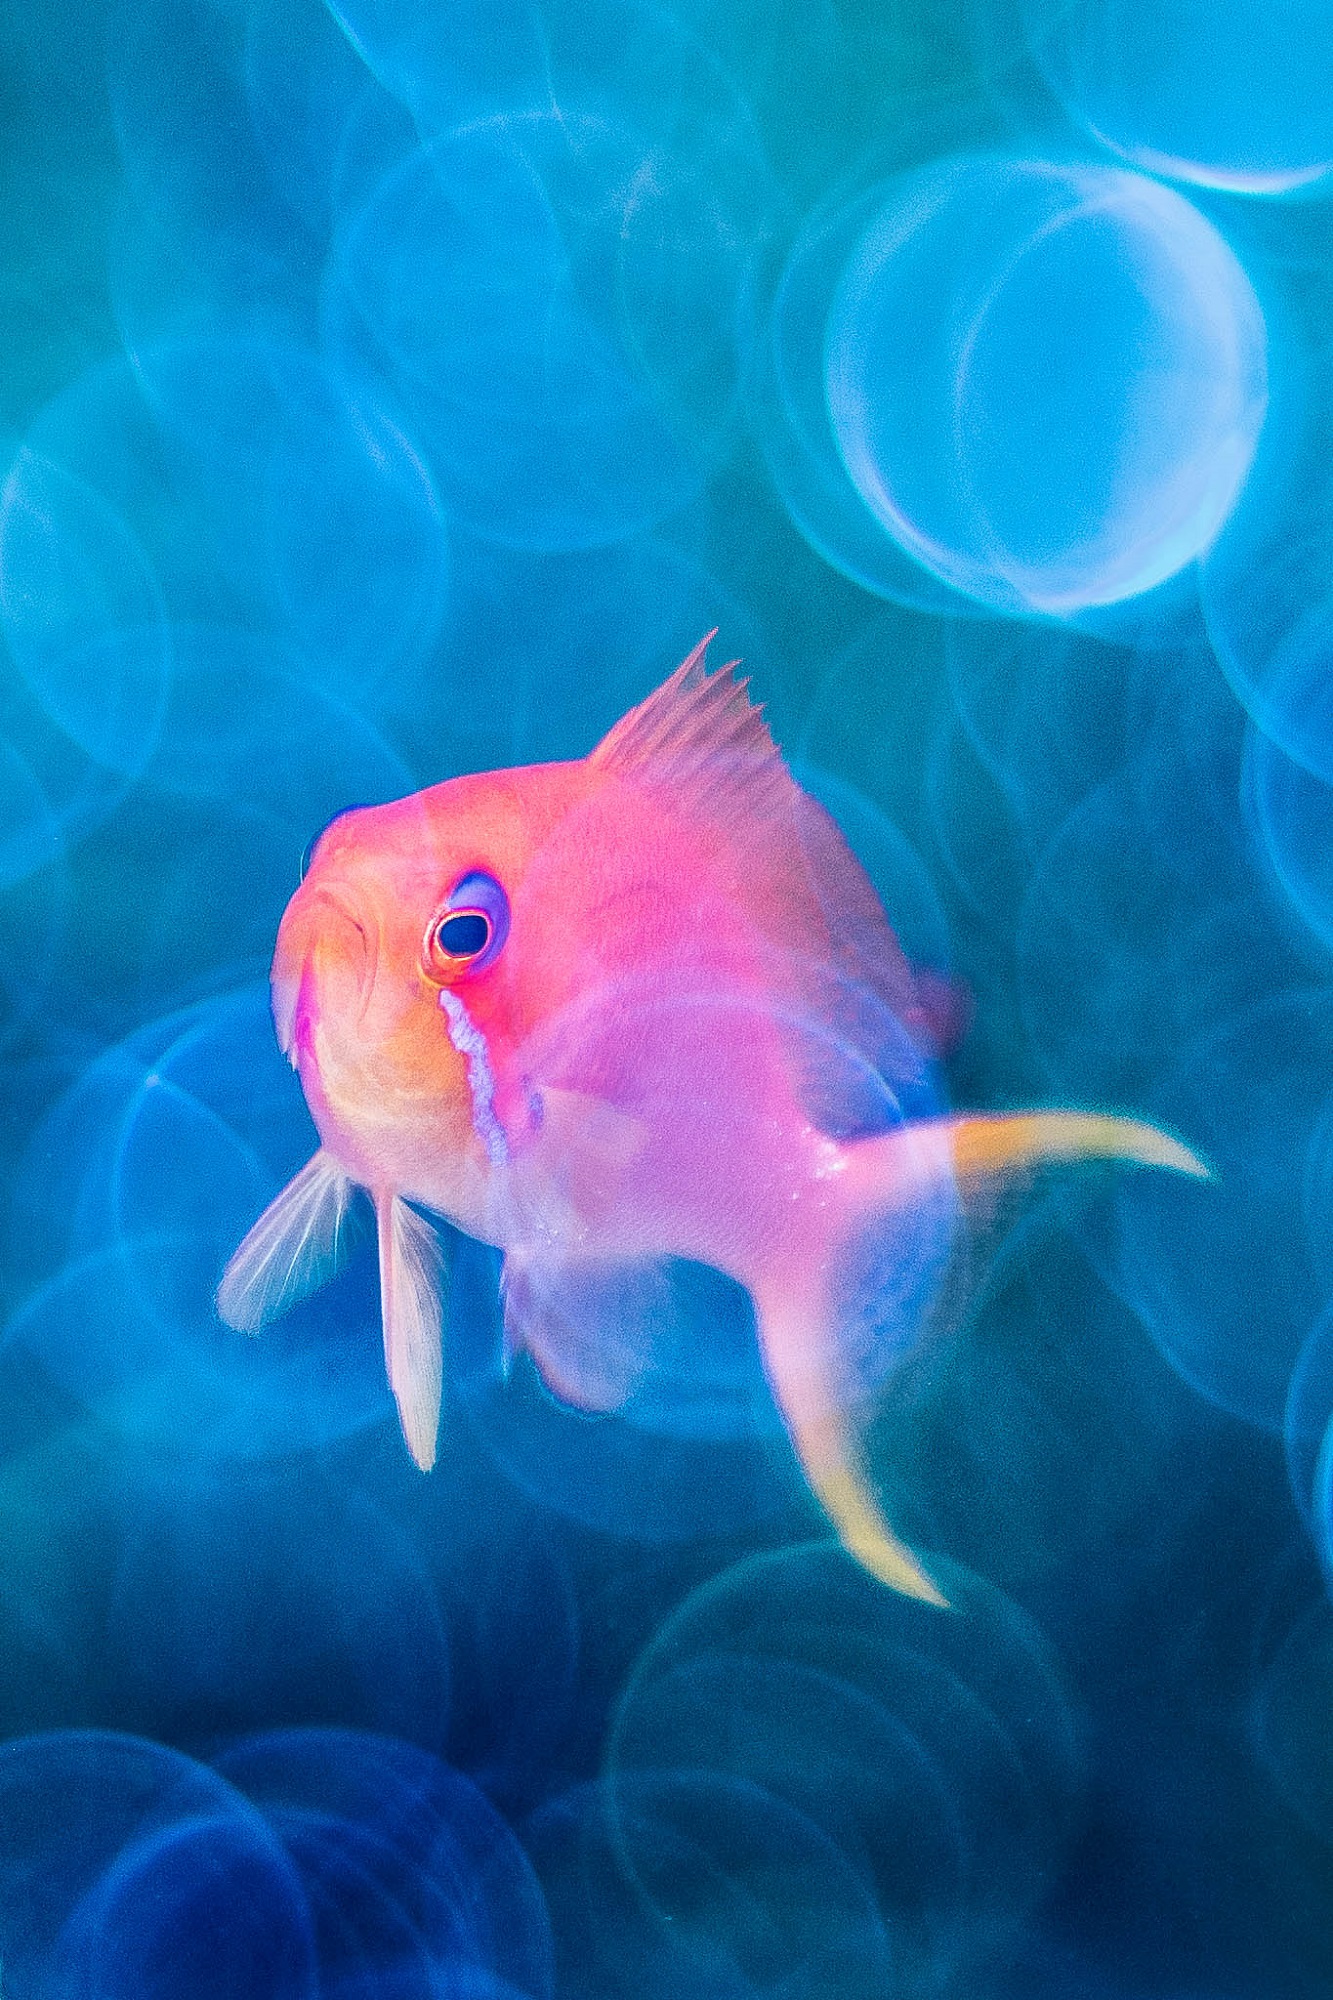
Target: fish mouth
[[323, 964]]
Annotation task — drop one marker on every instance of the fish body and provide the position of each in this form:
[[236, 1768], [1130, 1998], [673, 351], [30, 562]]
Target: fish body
[[599, 1014]]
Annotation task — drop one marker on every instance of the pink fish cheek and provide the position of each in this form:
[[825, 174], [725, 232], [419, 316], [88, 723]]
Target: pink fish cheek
[[331, 1041], [344, 963]]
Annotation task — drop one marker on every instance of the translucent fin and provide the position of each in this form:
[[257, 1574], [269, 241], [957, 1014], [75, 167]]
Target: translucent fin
[[941, 1011], [296, 1246], [803, 1321], [569, 1173], [801, 1366], [412, 1308], [589, 1328], [975, 1153], [584, 1148], [702, 736]]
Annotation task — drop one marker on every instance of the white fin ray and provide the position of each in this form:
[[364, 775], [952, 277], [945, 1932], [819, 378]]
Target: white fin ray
[[412, 1306], [297, 1245]]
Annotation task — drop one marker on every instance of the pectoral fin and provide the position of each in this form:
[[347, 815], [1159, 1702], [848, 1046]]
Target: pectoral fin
[[412, 1307], [583, 1149], [296, 1246]]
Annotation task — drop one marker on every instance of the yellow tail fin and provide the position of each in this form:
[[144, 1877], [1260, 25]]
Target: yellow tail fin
[[985, 1149], [797, 1324], [842, 1489], [801, 1361]]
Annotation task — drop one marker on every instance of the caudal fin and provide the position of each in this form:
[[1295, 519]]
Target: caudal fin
[[840, 1483], [970, 1156], [980, 1150], [802, 1360], [801, 1320]]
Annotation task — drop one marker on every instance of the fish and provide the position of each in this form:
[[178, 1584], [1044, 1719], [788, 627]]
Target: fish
[[606, 1013]]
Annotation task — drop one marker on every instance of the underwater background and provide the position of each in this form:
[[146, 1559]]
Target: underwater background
[[392, 389]]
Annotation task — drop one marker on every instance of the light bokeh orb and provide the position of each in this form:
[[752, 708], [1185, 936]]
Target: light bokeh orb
[[1046, 381], [1233, 97]]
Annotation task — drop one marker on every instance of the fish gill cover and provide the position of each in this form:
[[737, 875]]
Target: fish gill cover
[[393, 389]]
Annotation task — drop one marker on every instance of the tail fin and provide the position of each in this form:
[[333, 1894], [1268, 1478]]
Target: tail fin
[[979, 1151], [971, 1155], [799, 1318]]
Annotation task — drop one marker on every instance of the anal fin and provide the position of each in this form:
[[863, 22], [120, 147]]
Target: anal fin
[[588, 1328], [412, 1308], [296, 1246]]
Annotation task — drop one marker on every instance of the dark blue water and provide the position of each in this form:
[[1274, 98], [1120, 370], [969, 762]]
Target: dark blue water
[[392, 389]]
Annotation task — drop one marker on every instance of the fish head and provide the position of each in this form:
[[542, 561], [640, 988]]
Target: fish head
[[398, 928]]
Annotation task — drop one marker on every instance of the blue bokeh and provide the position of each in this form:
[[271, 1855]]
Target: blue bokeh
[[394, 389], [1046, 381], [1223, 98]]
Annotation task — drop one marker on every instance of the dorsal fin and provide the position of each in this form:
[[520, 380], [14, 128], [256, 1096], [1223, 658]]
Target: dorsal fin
[[700, 736]]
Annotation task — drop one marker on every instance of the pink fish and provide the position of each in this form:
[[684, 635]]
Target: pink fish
[[605, 1013]]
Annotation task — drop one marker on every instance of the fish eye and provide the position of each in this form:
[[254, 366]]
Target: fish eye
[[465, 934], [472, 927]]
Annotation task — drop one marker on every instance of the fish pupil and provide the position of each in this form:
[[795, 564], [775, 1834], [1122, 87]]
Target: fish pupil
[[464, 933]]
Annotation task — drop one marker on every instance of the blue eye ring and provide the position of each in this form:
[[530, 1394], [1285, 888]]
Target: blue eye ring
[[469, 933]]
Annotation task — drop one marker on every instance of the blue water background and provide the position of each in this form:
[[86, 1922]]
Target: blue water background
[[391, 389]]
